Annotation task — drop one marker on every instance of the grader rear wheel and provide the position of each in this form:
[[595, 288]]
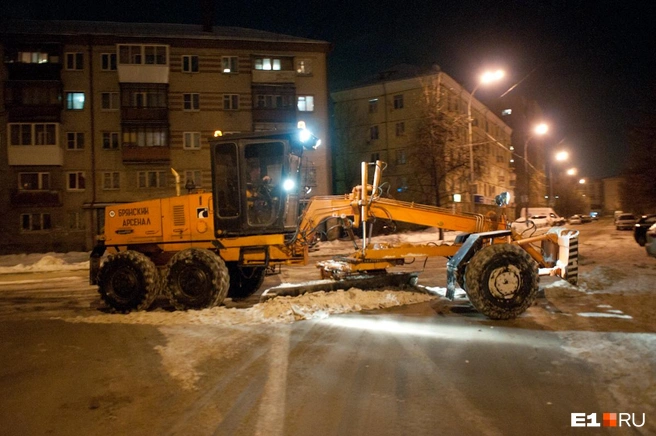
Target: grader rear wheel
[[501, 281], [128, 281], [196, 279]]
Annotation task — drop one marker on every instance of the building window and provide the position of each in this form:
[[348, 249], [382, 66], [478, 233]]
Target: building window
[[32, 57], [108, 61], [74, 61], [190, 64], [305, 103], [400, 129], [109, 101], [75, 221], [32, 134], [373, 132], [304, 67], [75, 181], [400, 157], [34, 222], [34, 181], [402, 184], [373, 105], [74, 101], [191, 102], [111, 181], [110, 140], [398, 101], [143, 136], [191, 140], [195, 176], [229, 64], [132, 54], [152, 179], [74, 141], [267, 64], [230, 102]]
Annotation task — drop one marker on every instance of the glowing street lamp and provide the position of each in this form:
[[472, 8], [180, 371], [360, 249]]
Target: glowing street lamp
[[487, 77], [572, 171], [538, 130]]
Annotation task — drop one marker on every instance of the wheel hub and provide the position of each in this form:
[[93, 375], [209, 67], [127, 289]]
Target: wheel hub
[[193, 281], [505, 282]]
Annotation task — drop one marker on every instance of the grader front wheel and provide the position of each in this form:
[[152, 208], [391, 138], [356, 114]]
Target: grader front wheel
[[127, 281], [501, 281]]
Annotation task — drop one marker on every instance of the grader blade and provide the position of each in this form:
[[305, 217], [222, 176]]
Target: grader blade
[[395, 281]]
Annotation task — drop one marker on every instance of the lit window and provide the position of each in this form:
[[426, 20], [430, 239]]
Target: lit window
[[191, 140], [305, 103], [230, 64], [267, 64], [74, 101], [32, 57], [304, 67]]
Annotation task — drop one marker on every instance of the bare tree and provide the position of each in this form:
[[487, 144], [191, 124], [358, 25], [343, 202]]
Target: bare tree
[[440, 153]]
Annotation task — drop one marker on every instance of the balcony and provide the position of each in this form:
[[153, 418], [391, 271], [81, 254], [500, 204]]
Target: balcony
[[26, 71], [274, 115], [146, 114], [23, 155], [50, 113], [35, 198], [134, 154], [278, 76]]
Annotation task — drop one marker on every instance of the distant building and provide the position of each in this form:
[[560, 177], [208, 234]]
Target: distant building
[[383, 120], [522, 115], [94, 113], [612, 194]]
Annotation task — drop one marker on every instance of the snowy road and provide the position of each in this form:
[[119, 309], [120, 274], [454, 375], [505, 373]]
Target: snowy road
[[432, 367]]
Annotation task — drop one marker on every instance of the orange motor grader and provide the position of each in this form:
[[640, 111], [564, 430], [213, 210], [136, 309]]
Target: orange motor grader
[[200, 248]]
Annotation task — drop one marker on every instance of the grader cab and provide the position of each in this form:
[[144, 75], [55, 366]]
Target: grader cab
[[200, 248]]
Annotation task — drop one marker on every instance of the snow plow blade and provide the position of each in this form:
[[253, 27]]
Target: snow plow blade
[[398, 281]]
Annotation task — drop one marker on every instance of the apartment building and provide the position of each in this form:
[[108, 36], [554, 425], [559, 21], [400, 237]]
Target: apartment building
[[387, 118], [96, 113]]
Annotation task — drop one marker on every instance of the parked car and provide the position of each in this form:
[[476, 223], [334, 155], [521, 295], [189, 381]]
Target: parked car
[[640, 228], [650, 245], [585, 218], [594, 216], [575, 219], [625, 221]]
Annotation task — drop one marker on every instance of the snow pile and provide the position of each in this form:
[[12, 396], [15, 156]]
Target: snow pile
[[315, 305], [26, 263]]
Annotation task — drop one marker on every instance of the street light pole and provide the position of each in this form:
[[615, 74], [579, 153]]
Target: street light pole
[[540, 129]]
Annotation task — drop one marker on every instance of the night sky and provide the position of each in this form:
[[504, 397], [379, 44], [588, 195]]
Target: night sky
[[589, 64]]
